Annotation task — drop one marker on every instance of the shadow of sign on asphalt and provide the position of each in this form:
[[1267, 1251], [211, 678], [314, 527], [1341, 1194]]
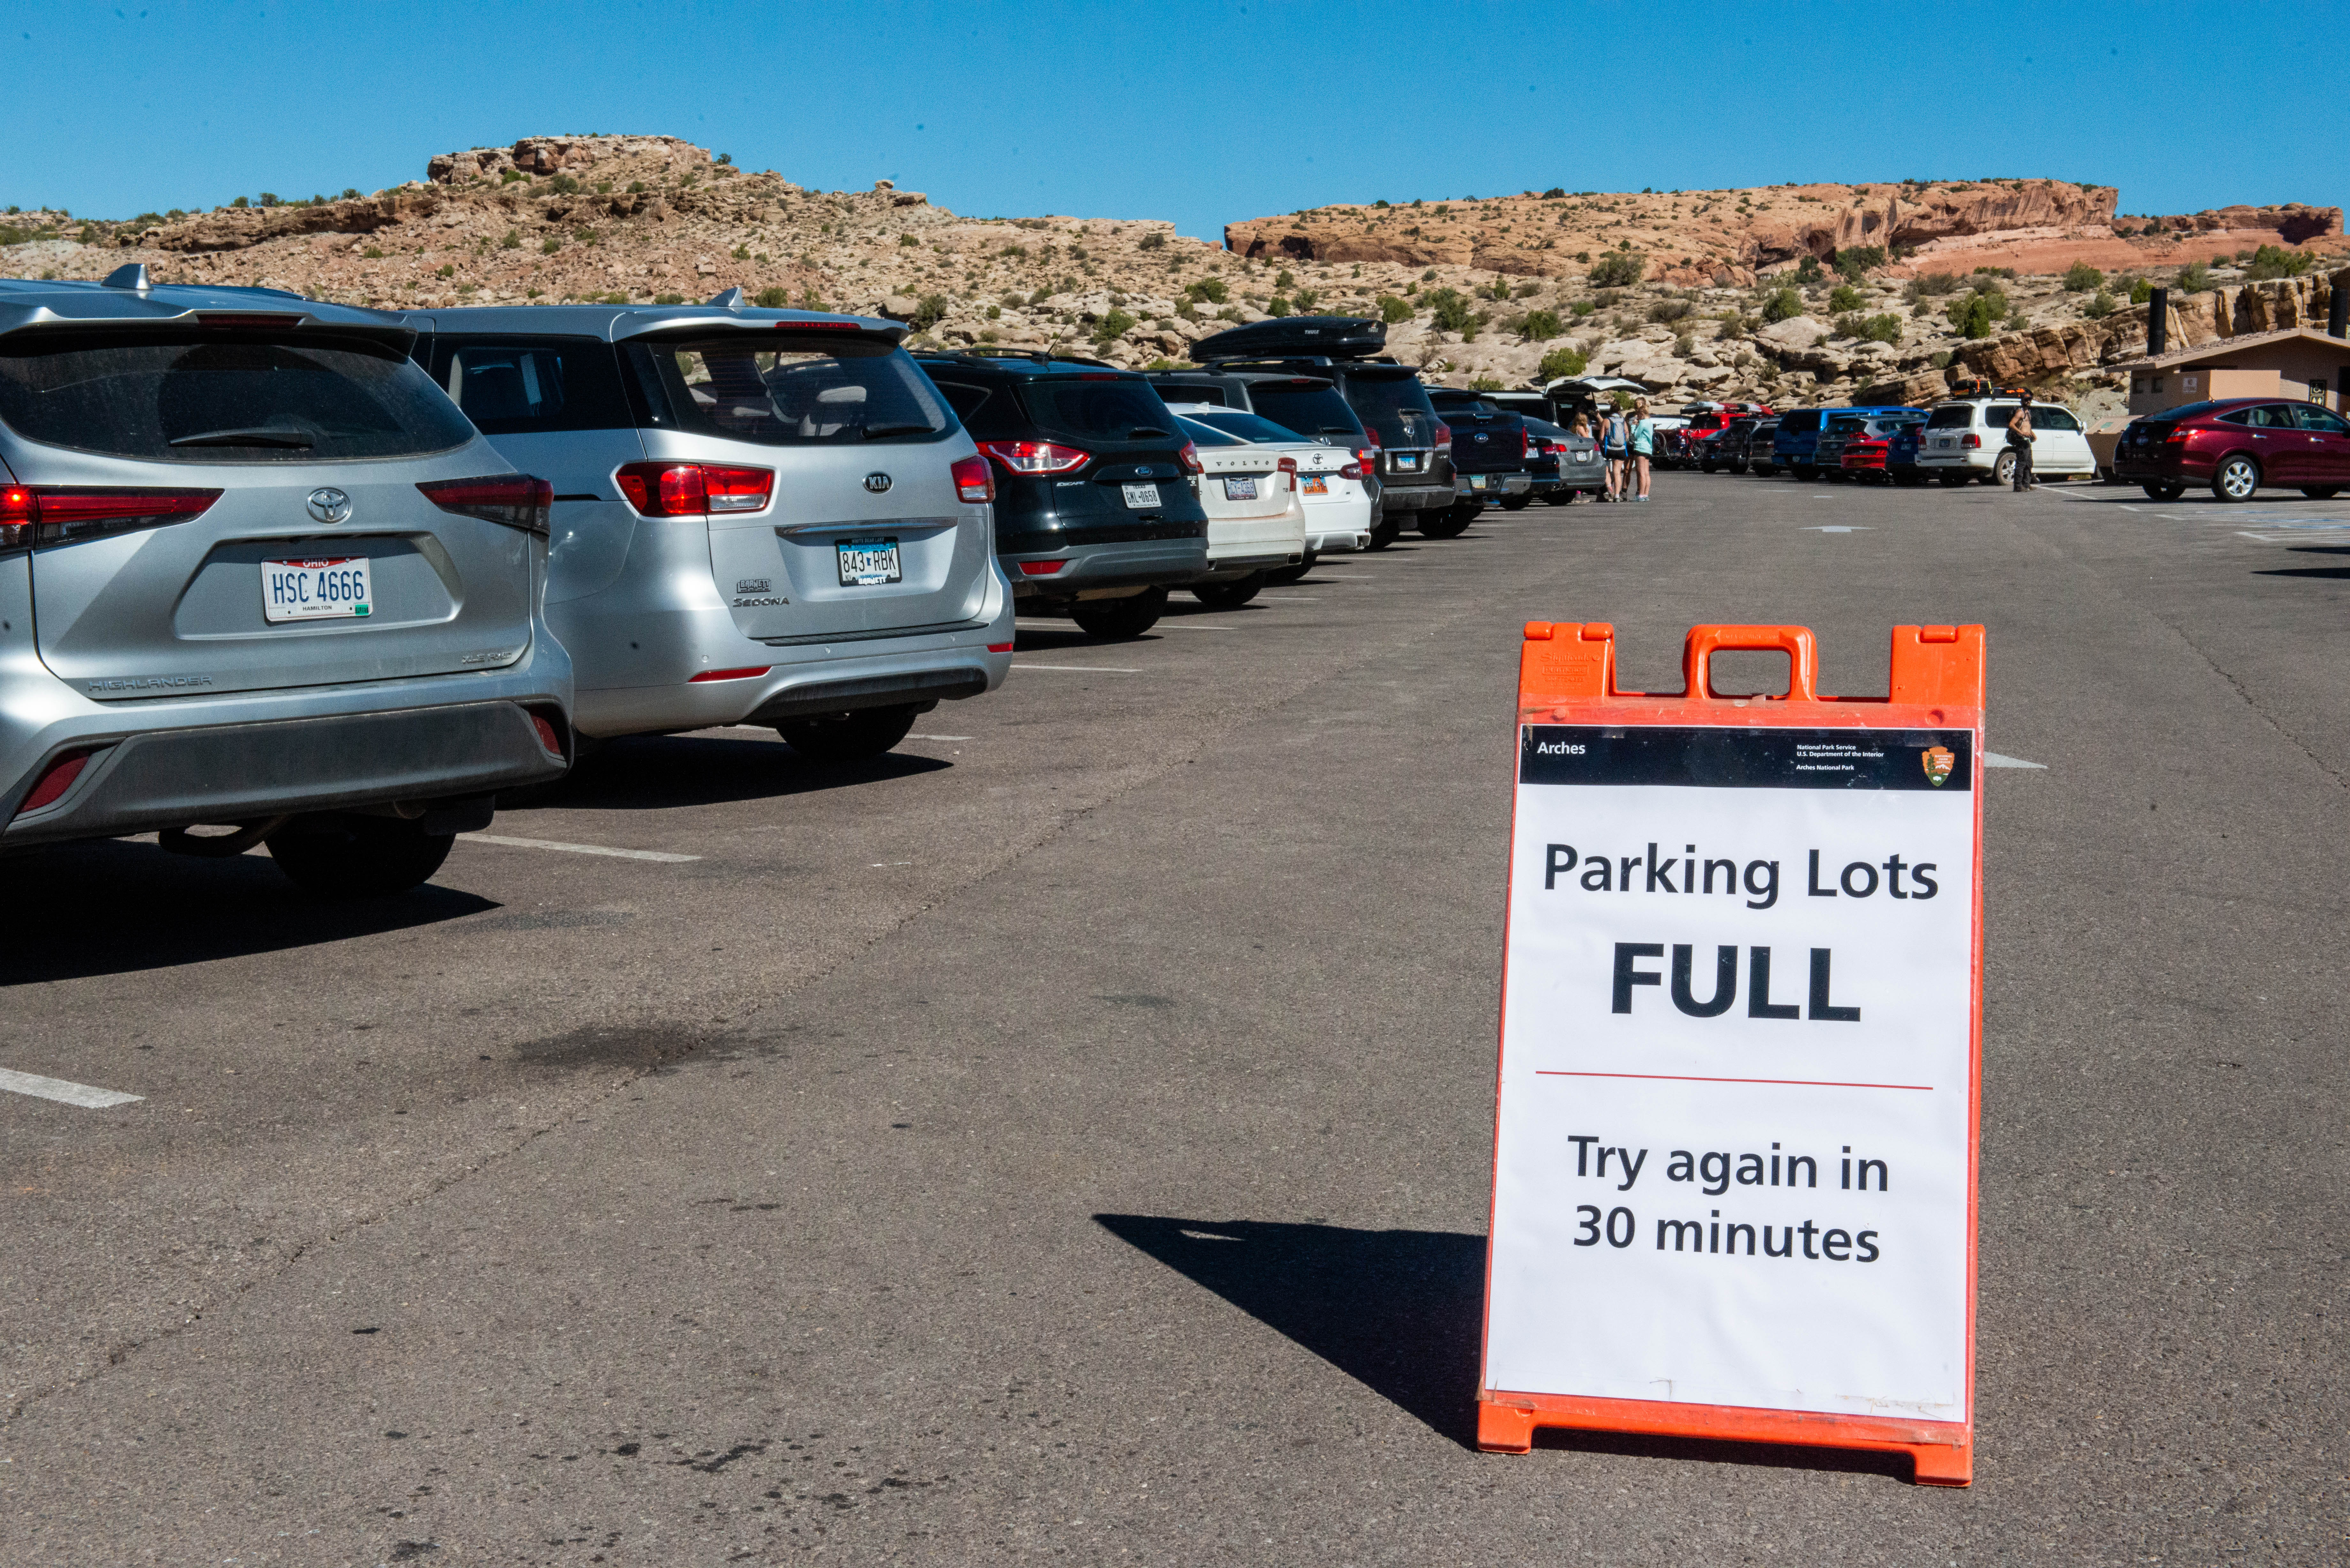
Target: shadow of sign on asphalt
[[1399, 1311]]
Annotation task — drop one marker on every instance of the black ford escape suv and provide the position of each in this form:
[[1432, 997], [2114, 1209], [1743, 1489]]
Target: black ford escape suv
[[1095, 513]]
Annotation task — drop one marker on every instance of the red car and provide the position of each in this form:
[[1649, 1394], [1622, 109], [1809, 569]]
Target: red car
[[1868, 452], [2236, 446]]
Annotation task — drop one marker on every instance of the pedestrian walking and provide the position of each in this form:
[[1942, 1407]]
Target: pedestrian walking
[[1615, 444], [2018, 440], [1644, 446]]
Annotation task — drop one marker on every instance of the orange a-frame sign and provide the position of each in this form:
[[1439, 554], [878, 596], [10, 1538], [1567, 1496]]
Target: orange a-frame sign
[[1740, 1080]]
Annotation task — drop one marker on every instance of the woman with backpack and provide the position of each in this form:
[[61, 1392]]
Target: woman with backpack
[[1643, 447], [1615, 444]]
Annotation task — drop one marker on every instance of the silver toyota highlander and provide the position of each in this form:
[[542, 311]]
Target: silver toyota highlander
[[257, 573], [761, 517]]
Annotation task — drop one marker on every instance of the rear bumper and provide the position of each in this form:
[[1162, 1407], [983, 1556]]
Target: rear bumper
[[2172, 470], [1128, 564], [1518, 483], [221, 773], [1416, 497]]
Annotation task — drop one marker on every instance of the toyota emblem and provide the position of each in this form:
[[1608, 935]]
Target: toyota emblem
[[876, 483], [328, 504]]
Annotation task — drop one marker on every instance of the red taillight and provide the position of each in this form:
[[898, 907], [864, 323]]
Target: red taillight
[[1288, 466], [1525, 444], [1035, 456], [744, 673], [1190, 458], [694, 489], [2176, 437], [1443, 436], [516, 500], [33, 515], [1971, 440], [549, 736], [999, 648], [56, 782], [973, 479], [1040, 569], [1352, 470], [1371, 443]]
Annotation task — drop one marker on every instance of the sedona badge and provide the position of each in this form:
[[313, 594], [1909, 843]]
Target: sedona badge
[[1938, 761]]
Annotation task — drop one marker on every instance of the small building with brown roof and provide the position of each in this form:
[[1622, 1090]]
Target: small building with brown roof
[[2297, 362]]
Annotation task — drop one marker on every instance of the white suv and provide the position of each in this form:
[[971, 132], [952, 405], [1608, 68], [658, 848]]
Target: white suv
[[1966, 438]]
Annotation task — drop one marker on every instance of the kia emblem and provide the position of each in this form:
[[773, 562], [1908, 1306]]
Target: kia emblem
[[328, 504], [878, 482]]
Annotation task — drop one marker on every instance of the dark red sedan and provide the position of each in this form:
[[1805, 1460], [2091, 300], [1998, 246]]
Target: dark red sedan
[[2236, 446]]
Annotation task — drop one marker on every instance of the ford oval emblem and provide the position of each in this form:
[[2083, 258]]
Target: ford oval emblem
[[876, 483], [1483, 436], [328, 504]]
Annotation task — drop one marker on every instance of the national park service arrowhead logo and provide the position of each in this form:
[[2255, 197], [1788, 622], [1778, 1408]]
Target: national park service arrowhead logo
[[1938, 761]]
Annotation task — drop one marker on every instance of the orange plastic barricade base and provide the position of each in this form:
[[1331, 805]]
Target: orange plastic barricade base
[[1940, 1452], [1566, 674]]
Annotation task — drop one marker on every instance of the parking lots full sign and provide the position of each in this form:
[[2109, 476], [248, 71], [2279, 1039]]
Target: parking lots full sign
[[1734, 1160]]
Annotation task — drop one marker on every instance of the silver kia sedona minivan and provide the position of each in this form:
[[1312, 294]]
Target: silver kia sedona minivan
[[258, 574], [764, 518]]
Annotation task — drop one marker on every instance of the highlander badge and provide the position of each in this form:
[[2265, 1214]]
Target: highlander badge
[[328, 504]]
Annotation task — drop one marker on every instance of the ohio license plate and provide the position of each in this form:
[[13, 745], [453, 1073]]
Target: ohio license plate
[[1315, 483], [326, 589], [869, 563], [1240, 489]]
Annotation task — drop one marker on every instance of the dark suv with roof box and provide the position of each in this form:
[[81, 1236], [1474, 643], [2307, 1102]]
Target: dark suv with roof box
[[1415, 459], [1095, 513]]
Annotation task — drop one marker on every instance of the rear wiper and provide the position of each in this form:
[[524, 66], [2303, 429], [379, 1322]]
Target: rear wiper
[[259, 435], [875, 432], [1146, 432]]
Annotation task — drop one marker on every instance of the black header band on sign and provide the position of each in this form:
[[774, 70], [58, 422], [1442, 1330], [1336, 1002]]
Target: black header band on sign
[[1725, 757]]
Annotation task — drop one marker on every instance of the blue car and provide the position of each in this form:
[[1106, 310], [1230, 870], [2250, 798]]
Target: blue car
[[1795, 449]]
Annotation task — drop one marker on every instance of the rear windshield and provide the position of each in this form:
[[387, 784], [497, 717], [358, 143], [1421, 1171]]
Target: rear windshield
[[1396, 405], [512, 386], [1117, 410], [1845, 426], [1248, 427], [797, 392], [1951, 417], [1190, 392], [1309, 411], [1801, 420], [1202, 434], [190, 399], [2183, 411]]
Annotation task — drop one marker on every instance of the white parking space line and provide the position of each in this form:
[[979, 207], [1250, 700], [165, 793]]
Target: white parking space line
[[662, 856], [1081, 668], [1283, 599], [64, 1092], [1186, 626], [941, 737], [1993, 760]]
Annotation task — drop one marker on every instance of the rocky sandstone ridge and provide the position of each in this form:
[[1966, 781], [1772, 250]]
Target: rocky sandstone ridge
[[1731, 238], [654, 218]]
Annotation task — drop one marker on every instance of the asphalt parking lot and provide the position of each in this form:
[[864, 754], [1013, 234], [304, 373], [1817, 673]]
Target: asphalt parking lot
[[1068, 1138]]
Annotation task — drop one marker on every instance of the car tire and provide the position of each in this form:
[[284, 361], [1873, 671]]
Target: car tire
[[2235, 479], [1385, 531], [1125, 618], [1952, 481], [1705, 468], [1516, 503], [359, 857], [2162, 491], [1449, 524], [850, 737], [1231, 595], [2320, 492], [1805, 472], [1287, 574], [2002, 469]]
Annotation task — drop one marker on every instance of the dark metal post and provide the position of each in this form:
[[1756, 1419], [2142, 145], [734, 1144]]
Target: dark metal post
[[2158, 324]]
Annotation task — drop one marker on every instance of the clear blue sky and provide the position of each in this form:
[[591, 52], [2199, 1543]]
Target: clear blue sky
[[1202, 112]]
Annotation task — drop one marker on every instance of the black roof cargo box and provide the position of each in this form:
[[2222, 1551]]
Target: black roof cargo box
[[1296, 338]]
